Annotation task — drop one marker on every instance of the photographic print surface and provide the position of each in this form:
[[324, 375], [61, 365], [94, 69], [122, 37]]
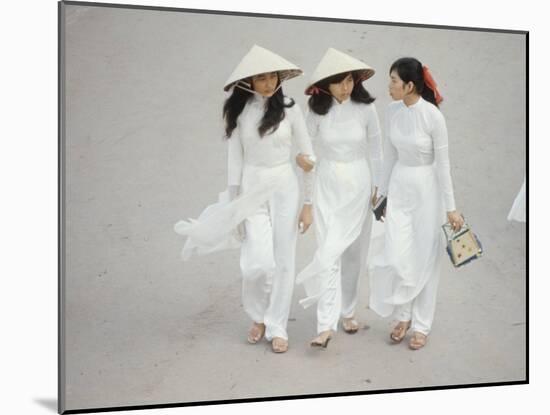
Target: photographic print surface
[[142, 147]]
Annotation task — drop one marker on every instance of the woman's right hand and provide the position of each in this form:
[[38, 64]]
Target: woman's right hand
[[304, 162], [456, 220]]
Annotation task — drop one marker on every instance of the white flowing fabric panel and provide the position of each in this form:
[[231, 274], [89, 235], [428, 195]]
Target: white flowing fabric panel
[[213, 230], [518, 210]]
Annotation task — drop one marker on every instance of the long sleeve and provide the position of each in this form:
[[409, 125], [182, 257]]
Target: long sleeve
[[234, 159], [390, 156], [303, 142], [441, 157], [374, 144], [312, 126], [300, 131]]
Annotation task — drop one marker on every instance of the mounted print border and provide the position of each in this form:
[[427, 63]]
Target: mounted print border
[[141, 146]]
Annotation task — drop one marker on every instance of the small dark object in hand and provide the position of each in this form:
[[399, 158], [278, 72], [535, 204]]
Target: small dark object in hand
[[378, 208]]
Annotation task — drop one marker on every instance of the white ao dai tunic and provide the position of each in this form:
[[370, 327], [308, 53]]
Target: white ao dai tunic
[[416, 178], [345, 140]]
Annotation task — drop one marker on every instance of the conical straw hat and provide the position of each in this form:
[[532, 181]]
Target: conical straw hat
[[259, 60], [335, 62]]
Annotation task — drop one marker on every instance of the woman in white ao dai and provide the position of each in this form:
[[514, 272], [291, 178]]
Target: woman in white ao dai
[[263, 197], [417, 181], [344, 127]]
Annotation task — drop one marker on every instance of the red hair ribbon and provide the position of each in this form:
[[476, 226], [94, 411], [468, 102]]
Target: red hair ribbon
[[430, 83], [315, 90]]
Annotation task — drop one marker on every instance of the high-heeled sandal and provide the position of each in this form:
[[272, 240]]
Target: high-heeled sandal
[[256, 333], [400, 331], [279, 345], [350, 325], [322, 339], [418, 340]]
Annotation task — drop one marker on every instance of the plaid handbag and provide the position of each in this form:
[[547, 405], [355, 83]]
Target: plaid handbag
[[463, 246]]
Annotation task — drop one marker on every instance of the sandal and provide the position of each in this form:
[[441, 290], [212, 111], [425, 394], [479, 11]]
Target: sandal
[[399, 331], [279, 345], [418, 340], [256, 333], [322, 339], [350, 325]]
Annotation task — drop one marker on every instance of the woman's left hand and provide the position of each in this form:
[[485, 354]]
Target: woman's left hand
[[304, 162], [455, 219], [306, 218]]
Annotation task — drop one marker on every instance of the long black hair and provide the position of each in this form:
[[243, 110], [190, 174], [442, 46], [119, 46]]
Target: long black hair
[[411, 70], [321, 102], [273, 115]]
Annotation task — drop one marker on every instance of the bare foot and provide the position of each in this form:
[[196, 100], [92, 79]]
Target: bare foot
[[322, 339], [418, 340], [256, 332], [279, 345], [399, 331], [350, 325]]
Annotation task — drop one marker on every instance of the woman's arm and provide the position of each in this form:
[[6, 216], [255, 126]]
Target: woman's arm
[[234, 174], [303, 141], [441, 156], [306, 161], [374, 144], [390, 155], [443, 168], [234, 160]]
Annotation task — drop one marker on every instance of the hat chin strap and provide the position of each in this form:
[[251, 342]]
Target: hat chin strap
[[247, 87]]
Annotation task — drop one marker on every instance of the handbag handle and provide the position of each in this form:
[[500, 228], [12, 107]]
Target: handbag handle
[[450, 234]]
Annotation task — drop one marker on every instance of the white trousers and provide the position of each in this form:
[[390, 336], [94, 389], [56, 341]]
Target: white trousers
[[405, 276], [420, 311], [268, 255], [340, 298]]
